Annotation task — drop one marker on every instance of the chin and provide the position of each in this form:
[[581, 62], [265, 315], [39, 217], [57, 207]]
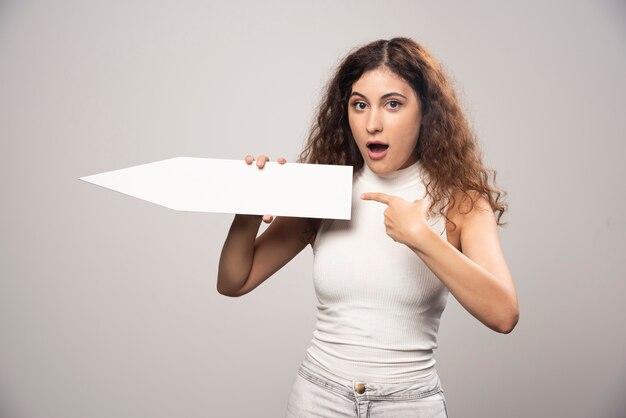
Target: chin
[[380, 167]]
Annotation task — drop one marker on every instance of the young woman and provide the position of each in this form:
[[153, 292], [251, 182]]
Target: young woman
[[423, 224]]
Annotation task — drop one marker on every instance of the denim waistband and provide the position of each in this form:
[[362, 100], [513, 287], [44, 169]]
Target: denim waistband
[[415, 389]]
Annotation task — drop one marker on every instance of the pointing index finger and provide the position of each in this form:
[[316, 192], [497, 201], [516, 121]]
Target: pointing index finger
[[379, 197]]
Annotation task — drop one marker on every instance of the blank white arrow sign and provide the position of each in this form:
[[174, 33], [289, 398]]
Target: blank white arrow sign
[[232, 186]]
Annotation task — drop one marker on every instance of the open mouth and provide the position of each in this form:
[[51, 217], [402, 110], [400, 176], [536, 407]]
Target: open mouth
[[377, 147], [377, 151]]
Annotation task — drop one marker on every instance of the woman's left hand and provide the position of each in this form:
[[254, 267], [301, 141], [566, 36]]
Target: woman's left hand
[[404, 221]]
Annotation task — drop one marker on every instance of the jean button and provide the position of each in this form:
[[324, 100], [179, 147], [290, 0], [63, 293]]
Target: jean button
[[359, 388]]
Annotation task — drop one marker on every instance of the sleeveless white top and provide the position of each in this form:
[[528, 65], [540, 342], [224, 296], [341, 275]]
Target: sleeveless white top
[[379, 305]]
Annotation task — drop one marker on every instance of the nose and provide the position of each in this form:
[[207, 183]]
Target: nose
[[374, 121]]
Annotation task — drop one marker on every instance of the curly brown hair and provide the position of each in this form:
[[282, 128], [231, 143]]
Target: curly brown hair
[[447, 148]]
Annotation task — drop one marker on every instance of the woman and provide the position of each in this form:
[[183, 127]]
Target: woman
[[423, 224]]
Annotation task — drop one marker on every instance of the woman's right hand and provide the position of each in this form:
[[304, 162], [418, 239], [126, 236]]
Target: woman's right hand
[[260, 162]]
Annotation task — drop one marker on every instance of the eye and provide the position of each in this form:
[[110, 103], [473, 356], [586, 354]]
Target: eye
[[394, 104], [359, 105]]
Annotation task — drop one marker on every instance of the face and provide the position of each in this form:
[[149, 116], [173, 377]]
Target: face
[[385, 117]]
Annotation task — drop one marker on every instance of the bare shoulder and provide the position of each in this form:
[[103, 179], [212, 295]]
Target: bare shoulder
[[468, 208]]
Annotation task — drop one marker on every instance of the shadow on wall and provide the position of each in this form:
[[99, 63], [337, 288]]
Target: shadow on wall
[[618, 408], [7, 9]]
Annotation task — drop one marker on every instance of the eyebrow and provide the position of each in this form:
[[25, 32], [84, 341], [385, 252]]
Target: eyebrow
[[384, 96]]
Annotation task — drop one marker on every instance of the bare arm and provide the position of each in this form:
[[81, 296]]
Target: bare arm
[[478, 275], [247, 261], [237, 254]]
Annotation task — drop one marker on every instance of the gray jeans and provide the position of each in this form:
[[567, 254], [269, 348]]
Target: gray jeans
[[318, 393]]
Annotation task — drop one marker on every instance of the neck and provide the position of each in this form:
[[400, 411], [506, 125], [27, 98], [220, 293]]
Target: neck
[[401, 177]]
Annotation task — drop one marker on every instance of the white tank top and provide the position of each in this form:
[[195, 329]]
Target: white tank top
[[379, 305]]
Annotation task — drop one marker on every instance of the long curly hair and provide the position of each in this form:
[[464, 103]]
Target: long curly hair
[[447, 148]]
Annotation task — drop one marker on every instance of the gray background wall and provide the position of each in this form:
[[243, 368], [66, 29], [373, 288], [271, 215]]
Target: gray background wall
[[108, 305]]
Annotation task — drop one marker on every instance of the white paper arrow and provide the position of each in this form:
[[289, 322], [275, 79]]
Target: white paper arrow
[[232, 186]]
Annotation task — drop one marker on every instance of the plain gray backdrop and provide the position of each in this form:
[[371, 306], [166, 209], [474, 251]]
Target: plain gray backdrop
[[108, 304]]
